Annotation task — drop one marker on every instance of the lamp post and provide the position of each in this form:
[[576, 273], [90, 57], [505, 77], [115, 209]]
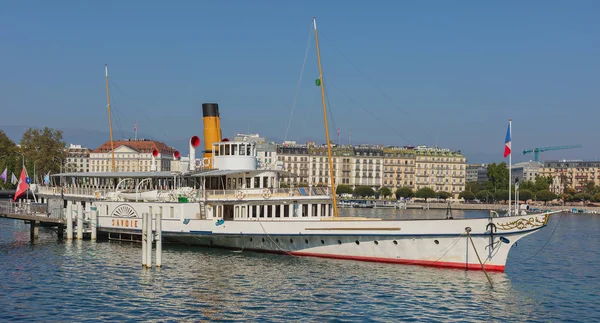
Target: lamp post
[[61, 165]]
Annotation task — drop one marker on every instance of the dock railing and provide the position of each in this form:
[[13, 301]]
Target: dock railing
[[267, 192], [22, 207]]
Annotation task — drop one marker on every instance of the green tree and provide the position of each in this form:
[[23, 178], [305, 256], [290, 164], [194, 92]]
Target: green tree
[[527, 185], [283, 185], [9, 159], [343, 189], [590, 187], [444, 195], [303, 184], [582, 197], [501, 195], [484, 195], [467, 195], [525, 195], [497, 176], [404, 192], [542, 183], [385, 192], [364, 191], [597, 197], [425, 193], [44, 148], [474, 187], [545, 196]]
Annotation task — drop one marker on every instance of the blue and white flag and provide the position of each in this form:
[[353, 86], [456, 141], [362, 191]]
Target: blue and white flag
[[4, 175]]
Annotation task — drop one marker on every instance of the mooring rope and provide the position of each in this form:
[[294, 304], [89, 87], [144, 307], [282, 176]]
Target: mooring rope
[[468, 230]]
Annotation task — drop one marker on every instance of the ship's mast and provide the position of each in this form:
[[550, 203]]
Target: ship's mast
[[112, 145], [322, 85]]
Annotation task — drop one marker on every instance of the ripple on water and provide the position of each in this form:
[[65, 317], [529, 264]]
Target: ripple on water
[[84, 281]]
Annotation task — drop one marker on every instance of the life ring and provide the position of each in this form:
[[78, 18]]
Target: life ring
[[97, 194], [239, 194], [205, 162], [266, 193]]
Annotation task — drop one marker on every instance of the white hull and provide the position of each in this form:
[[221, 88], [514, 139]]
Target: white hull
[[442, 243]]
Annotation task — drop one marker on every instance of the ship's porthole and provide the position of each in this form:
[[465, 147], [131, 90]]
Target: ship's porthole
[[291, 241], [395, 242], [436, 242], [322, 241], [357, 242], [306, 240], [250, 239], [263, 240], [339, 241], [376, 242], [277, 240]]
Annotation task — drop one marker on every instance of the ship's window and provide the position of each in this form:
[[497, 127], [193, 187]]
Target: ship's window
[[265, 181], [242, 150], [436, 241], [221, 150], [249, 150], [395, 242], [244, 214], [277, 211], [261, 211], [339, 241], [291, 241], [357, 242], [234, 149], [322, 241], [286, 211], [256, 182], [376, 242], [306, 240], [269, 211], [227, 153]]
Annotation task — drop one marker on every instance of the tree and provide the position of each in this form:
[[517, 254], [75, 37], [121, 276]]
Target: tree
[[444, 195], [566, 197], [501, 195], [582, 197], [343, 189], [484, 195], [385, 192], [590, 187], [474, 187], [303, 184], [44, 147], [425, 193], [525, 195], [9, 159], [467, 195], [497, 176], [527, 185], [597, 197], [404, 192], [545, 196], [364, 191], [542, 183], [283, 185]]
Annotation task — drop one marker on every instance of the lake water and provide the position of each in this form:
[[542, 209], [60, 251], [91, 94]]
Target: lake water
[[88, 281]]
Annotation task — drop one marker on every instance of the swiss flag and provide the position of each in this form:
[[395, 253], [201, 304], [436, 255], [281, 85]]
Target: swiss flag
[[22, 186]]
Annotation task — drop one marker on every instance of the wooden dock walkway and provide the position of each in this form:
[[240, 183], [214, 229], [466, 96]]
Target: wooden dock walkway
[[36, 214]]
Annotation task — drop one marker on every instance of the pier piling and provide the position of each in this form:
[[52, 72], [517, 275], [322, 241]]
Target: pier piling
[[149, 242], [33, 231], [69, 220], [94, 223], [144, 239], [158, 238], [79, 221]]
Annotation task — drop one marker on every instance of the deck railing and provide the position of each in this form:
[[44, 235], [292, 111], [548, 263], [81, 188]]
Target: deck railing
[[22, 207], [267, 192]]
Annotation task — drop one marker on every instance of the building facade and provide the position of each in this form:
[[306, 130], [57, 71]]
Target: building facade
[[295, 160], [132, 155], [398, 167], [440, 170], [571, 174], [78, 159], [526, 171]]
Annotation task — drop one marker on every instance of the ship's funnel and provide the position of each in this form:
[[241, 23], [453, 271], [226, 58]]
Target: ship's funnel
[[194, 142], [212, 129], [154, 155], [176, 155]]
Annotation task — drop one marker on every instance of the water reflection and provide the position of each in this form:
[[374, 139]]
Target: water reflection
[[67, 281]]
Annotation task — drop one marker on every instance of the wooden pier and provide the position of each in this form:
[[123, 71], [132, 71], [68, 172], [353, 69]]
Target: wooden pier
[[36, 214]]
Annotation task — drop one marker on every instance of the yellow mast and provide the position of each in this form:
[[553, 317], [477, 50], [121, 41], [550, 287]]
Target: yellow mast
[[322, 85], [112, 145]]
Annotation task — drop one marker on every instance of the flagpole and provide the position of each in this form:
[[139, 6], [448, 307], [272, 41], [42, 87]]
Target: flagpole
[[510, 169]]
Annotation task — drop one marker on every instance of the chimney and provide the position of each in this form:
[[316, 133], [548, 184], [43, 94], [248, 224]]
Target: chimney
[[154, 155], [212, 128], [194, 142]]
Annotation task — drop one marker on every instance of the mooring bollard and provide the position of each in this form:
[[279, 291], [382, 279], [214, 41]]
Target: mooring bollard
[[69, 220], [79, 221], [158, 238], [144, 239]]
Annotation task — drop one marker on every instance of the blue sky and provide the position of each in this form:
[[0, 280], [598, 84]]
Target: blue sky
[[443, 72]]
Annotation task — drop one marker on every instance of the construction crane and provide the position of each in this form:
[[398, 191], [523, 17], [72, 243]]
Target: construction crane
[[536, 151]]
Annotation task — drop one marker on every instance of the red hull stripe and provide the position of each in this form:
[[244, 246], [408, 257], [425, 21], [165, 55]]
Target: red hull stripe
[[427, 263]]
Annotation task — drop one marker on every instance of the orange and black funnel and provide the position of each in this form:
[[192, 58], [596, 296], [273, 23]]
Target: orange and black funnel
[[212, 128]]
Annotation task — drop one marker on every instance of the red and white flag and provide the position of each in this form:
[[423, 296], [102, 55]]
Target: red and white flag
[[22, 186]]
